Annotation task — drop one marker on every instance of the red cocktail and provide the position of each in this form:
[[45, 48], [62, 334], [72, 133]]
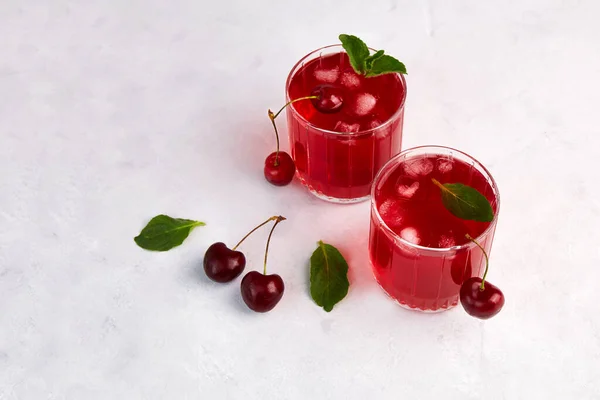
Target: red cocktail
[[418, 249], [338, 155]]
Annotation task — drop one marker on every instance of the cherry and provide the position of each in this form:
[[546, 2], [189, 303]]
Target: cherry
[[479, 298], [279, 168], [262, 292], [481, 301], [222, 264], [327, 99]]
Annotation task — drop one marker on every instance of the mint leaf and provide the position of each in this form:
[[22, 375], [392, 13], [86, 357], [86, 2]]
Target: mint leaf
[[357, 52], [328, 276], [163, 233], [465, 202], [371, 58], [366, 64], [385, 65]]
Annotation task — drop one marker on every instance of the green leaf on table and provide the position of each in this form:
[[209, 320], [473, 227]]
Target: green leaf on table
[[385, 65], [328, 276], [163, 232], [357, 52], [465, 202]]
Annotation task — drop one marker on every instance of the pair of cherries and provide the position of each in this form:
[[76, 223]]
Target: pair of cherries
[[260, 292], [279, 166]]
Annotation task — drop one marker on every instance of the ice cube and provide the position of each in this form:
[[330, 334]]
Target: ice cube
[[390, 213], [380, 133], [407, 191], [410, 235], [374, 123], [327, 75], [345, 127], [364, 104], [350, 80], [446, 241], [418, 167], [444, 165]]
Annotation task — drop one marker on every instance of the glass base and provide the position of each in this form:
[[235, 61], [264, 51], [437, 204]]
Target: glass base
[[407, 307], [330, 199], [336, 200]]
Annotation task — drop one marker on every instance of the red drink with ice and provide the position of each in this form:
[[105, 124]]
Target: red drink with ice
[[418, 249], [337, 155]]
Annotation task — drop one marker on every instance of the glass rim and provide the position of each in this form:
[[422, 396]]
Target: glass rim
[[394, 161], [384, 125]]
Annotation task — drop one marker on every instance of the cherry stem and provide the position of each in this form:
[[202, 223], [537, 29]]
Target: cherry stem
[[293, 101], [273, 116], [277, 220], [487, 260], [438, 184], [254, 230]]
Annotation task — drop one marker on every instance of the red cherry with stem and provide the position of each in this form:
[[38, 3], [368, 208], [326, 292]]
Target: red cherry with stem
[[262, 292], [481, 303], [479, 298], [279, 167], [222, 264], [328, 99]]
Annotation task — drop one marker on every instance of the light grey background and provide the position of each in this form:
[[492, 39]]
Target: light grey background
[[114, 111]]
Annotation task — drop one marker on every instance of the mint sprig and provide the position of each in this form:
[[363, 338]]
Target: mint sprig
[[369, 61], [358, 52], [365, 63], [385, 65]]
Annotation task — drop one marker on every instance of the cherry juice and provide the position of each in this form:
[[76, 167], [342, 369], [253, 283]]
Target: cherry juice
[[337, 155], [418, 249]]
